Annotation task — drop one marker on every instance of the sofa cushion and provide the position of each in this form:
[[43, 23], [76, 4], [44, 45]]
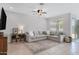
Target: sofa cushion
[[33, 37], [41, 36], [36, 33]]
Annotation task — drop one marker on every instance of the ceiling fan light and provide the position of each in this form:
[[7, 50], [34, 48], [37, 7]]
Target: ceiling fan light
[[40, 11]]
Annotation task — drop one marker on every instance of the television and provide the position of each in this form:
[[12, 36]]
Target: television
[[3, 19]]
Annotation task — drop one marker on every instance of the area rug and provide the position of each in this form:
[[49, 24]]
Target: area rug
[[38, 46]]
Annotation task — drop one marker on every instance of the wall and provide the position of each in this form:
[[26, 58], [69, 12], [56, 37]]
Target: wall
[[30, 23], [67, 22], [34, 23]]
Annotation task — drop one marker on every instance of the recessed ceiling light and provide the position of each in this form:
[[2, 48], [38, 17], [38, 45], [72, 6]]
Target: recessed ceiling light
[[11, 8]]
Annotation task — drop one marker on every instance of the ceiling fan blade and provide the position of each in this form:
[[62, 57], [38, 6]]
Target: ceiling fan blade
[[33, 11], [44, 12]]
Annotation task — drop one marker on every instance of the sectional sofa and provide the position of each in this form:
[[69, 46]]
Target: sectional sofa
[[41, 35]]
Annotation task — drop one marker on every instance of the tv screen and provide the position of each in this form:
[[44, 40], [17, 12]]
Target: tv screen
[[3, 19]]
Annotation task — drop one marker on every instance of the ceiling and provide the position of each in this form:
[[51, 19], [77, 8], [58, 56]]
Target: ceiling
[[52, 9]]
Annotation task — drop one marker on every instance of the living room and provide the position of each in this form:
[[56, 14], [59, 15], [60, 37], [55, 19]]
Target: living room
[[52, 23]]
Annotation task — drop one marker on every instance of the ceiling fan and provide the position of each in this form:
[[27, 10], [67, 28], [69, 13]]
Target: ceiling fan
[[40, 11]]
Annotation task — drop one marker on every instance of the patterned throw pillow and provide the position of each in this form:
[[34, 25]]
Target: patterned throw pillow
[[44, 33], [36, 33], [52, 33], [40, 32]]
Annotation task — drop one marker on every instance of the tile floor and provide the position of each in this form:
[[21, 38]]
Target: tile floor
[[61, 49]]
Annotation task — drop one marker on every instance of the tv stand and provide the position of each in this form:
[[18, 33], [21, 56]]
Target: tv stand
[[3, 45]]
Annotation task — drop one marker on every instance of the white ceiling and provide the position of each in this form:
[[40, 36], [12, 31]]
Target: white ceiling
[[52, 9]]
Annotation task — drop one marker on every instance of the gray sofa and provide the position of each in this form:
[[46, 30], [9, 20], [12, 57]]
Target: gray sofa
[[59, 38], [39, 35], [35, 36]]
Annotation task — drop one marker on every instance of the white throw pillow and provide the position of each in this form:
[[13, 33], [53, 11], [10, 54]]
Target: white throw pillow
[[31, 33]]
